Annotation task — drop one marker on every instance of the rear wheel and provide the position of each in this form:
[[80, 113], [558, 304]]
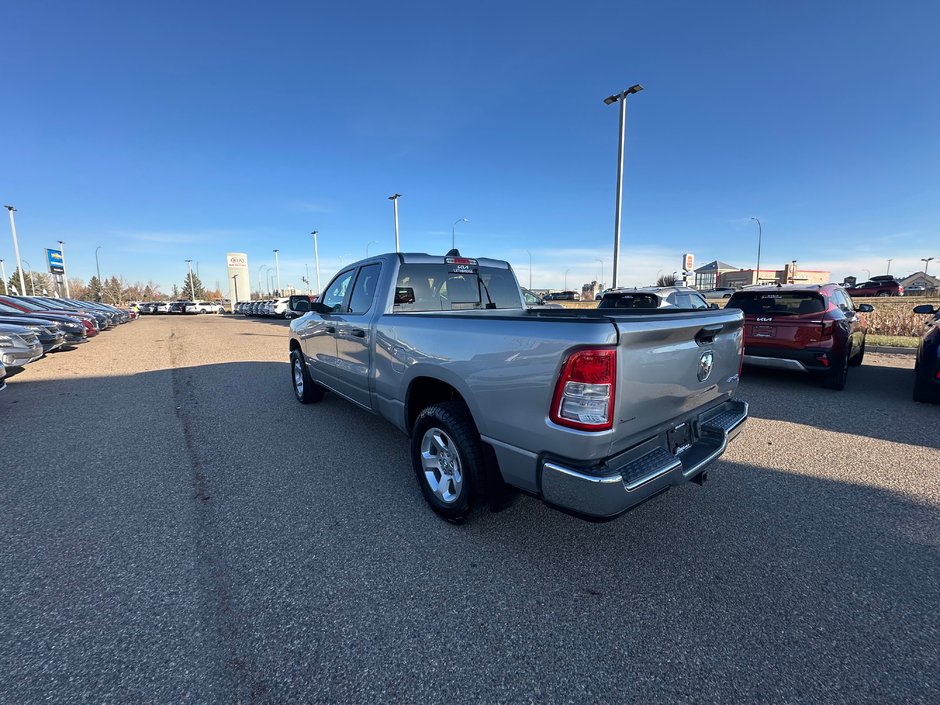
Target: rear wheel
[[884, 293], [448, 459], [305, 389], [836, 376]]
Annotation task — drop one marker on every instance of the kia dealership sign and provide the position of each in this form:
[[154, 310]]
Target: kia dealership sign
[[239, 284]]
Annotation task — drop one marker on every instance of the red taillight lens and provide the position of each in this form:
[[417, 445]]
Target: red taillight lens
[[584, 395]]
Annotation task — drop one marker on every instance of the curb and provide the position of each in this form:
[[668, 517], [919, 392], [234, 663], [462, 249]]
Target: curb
[[890, 350]]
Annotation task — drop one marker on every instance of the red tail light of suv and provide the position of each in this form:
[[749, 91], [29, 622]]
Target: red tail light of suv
[[815, 329]]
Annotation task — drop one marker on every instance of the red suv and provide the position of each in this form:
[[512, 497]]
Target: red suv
[[813, 329], [878, 286]]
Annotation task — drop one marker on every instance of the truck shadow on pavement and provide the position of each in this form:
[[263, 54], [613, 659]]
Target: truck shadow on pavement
[[324, 576]]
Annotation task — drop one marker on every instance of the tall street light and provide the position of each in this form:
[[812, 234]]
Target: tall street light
[[760, 233], [530, 269], [566, 278], [610, 100], [3, 275], [453, 232], [16, 250], [889, 265], [926, 261], [260, 287], [192, 288], [371, 242], [316, 255], [602, 272], [277, 271], [235, 284], [394, 199], [65, 270]]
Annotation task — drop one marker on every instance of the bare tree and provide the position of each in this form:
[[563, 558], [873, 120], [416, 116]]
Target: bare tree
[[667, 280]]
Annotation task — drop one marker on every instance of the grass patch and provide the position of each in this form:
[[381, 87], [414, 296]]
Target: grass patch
[[894, 341]]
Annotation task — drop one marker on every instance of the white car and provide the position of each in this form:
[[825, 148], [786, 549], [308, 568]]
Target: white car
[[204, 307], [281, 307]]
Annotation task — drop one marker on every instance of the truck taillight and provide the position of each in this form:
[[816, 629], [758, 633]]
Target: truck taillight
[[827, 328], [584, 395]]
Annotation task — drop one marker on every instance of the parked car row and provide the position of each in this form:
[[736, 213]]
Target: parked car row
[[274, 308], [33, 326], [194, 307]]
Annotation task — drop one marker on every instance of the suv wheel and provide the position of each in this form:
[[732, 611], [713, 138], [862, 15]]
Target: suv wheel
[[884, 293], [836, 376]]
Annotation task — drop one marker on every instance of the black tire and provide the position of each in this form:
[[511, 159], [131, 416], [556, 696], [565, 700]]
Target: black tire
[[835, 378], [924, 391], [305, 389], [884, 293], [857, 360], [458, 443]]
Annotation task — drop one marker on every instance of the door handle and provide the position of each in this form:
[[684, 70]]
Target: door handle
[[331, 329], [359, 333]]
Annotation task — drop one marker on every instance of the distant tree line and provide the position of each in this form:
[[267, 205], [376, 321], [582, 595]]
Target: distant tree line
[[114, 290]]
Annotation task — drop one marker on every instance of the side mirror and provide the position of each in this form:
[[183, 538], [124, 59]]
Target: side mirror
[[299, 305], [865, 308], [926, 309]]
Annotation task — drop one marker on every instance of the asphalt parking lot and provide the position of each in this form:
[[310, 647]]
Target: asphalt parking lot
[[177, 529]]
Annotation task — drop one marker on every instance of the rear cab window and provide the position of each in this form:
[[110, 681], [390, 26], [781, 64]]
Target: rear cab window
[[445, 287], [778, 303]]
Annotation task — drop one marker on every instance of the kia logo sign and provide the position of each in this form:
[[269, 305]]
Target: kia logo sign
[[237, 259]]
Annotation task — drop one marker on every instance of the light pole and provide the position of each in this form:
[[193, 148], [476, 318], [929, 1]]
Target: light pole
[[270, 282], [65, 270], [610, 100], [32, 279], [926, 261], [453, 232], [316, 251], [760, 234], [889, 265], [371, 242], [277, 271], [16, 249], [566, 278], [307, 278], [260, 287], [235, 284], [192, 288], [530, 269], [602, 272], [394, 199], [3, 274]]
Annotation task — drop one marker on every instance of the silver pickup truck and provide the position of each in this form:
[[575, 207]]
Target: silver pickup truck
[[593, 411]]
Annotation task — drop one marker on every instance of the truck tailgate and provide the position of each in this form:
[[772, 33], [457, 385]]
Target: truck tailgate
[[671, 365]]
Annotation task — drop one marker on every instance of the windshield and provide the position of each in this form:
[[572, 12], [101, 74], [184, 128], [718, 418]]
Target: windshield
[[438, 287], [786, 303]]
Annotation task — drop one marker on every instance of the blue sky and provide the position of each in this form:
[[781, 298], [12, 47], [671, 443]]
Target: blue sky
[[169, 131]]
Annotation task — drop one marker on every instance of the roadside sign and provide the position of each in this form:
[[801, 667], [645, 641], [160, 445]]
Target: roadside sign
[[56, 261], [688, 262], [239, 281]]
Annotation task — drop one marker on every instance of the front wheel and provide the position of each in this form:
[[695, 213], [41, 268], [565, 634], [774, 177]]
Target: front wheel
[[305, 389], [857, 360], [448, 459]]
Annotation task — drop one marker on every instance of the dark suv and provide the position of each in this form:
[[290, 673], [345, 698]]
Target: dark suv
[[813, 329], [927, 366], [878, 286]]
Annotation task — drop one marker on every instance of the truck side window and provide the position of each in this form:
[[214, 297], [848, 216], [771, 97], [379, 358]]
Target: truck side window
[[363, 292], [336, 292]]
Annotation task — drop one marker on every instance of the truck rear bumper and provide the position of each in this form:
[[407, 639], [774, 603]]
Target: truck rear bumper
[[638, 475]]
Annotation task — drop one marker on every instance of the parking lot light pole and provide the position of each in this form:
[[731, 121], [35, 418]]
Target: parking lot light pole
[[316, 253], [926, 261], [65, 270], [453, 232], [260, 288], [192, 288], [602, 272], [760, 234], [235, 284], [394, 199], [16, 250], [566, 279], [889, 265], [277, 271], [610, 100]]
